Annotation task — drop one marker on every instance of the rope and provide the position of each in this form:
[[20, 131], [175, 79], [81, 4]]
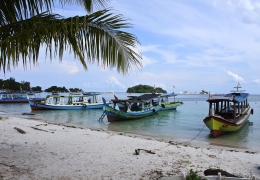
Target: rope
[[183, 142], [195, 136]]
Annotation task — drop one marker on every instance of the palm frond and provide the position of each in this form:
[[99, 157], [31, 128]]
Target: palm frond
[[95, 38], [88, 4], [18, 10]]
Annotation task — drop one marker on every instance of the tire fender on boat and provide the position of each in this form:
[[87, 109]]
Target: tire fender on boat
[[163, 106], [154, 110], [252, 111]]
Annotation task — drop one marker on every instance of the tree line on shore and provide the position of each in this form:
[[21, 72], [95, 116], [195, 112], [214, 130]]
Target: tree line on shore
[[11, 85], [145, 89]]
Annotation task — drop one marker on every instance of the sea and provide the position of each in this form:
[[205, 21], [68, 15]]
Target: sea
[[183, 125]]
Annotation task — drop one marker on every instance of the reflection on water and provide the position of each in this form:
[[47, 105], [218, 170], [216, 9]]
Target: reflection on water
[[236, 139], [183, 124]]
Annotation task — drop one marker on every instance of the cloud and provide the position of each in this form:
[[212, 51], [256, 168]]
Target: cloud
[[256, 81], [114, 82], [235, 76], [248, 11], [69, 67]]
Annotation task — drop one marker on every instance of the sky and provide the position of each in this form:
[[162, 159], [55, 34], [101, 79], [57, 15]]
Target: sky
[[186, 45]]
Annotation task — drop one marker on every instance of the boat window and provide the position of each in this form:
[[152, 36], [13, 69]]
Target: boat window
[[49, 100], [62, 101], [57, 100]]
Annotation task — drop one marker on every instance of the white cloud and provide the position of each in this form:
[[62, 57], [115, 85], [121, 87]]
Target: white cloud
[[257, 81], [235, 76], [69, 67], [114, 82], [185, 43], [147, 61]]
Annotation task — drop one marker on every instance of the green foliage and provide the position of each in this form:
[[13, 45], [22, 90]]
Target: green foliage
[[193, 175], [11, 84], [56, 89], [27, 26], [145, 89], [75, 90], [37, 88]]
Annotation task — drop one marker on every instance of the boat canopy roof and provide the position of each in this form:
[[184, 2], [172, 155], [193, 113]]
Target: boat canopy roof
[[144, 97], [133, 99], [233, 97], [91, 94], [71, 95]]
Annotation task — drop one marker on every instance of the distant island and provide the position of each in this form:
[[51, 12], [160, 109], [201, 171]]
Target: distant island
[[145, 89]]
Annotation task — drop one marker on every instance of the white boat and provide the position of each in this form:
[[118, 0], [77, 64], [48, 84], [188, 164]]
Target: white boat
[[69, 102]]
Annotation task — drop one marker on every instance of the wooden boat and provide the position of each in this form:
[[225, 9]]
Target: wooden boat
[[133, 108], [18, 97], [163, 101], [228, 113], [58, 102]]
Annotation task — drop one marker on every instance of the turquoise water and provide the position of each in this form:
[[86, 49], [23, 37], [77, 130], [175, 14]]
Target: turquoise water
[[181, 125]]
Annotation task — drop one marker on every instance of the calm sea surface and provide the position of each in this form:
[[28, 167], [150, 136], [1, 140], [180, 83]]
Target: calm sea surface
[[181, 125]]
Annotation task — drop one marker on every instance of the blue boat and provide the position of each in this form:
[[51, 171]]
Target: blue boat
[[133, 108], [69, 102], [18, 97]]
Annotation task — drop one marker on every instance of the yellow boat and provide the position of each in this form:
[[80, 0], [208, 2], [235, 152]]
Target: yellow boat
[[228, 113]]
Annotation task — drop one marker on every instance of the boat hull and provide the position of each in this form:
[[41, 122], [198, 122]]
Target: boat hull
[[169, 106], [117, 115], [219, 126], [42, 106], [24, 100]]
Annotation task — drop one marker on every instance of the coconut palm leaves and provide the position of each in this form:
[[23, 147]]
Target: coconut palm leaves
[[94, 38]]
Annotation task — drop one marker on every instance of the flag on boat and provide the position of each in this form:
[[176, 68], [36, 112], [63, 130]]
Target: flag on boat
[[238, 84]]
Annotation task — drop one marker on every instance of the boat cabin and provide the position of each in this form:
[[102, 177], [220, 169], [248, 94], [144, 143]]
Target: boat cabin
[[73, 100], [135, 103], [230, 106], [12, 96]]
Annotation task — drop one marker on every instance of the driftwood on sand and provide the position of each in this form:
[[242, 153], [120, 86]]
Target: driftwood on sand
[[20, 130], [210, 172], [137, 151]]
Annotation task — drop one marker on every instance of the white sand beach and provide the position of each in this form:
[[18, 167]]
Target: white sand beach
[[49, 151]]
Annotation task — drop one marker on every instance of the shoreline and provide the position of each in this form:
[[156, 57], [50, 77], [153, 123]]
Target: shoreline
[[179, 140], [53, 151]]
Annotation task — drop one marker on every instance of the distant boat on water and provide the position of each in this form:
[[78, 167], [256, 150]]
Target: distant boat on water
[[75, 93], [163, 101], [18, 97]]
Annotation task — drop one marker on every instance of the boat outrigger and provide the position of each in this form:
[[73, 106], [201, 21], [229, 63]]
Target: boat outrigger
[[228, 113]]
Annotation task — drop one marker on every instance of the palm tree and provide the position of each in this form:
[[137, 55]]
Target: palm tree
[[28, 25]]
